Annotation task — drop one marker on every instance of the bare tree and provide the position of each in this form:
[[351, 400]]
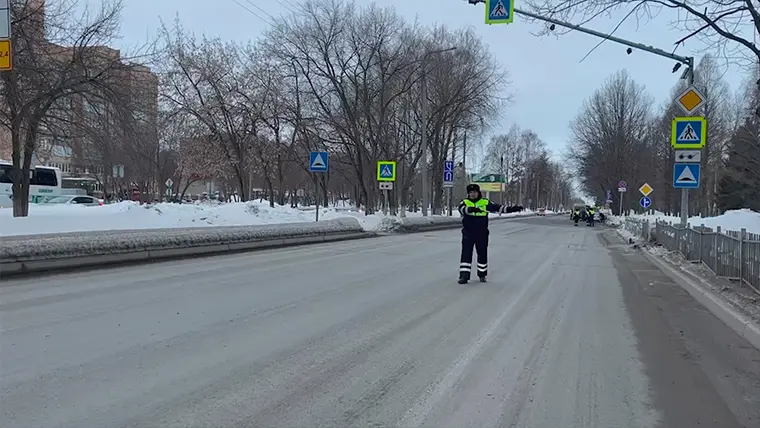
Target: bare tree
[[358, 74], [208, 80], [740, 178], [58, 54], [610, 136]]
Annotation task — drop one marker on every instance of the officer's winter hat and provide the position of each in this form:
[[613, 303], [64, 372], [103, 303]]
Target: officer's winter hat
[[473, 188]]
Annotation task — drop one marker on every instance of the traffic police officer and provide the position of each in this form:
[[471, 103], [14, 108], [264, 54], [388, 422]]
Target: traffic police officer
[[474, 210]]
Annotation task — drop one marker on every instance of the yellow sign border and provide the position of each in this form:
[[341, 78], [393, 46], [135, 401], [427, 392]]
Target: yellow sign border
[[674, 136], [490, 21], [6, 65], [380, 164]]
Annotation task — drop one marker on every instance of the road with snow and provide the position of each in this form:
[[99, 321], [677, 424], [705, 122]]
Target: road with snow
[[574, 330]]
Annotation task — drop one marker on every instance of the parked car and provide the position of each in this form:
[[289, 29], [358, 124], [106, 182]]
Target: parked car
[[88, 201], [541, 211]]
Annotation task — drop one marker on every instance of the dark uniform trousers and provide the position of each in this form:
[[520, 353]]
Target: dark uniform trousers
[[478, 241]]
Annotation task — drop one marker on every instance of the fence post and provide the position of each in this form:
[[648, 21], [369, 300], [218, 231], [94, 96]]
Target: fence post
[[742, 238], [715, 248], [676, 238], [701, 231]]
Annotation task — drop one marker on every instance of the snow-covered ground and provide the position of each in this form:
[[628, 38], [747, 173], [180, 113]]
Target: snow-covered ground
[[730, 220], [130, 215]]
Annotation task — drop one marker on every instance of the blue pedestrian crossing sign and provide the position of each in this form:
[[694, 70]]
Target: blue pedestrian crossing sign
[[448, 172], [318, 162], [386, 171], [645, 202], [686, 175], [688, 133], [500, 11]]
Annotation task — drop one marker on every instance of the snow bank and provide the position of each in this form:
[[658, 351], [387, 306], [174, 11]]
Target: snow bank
[[730, 220], [130, 216]]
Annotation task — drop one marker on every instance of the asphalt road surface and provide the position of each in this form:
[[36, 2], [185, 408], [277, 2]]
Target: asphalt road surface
[[573, 330]]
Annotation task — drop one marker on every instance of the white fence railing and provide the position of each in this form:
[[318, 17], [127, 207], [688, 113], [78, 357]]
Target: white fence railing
[[728, 253]]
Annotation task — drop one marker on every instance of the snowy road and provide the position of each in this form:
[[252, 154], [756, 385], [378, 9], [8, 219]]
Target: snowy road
[[574, 330]]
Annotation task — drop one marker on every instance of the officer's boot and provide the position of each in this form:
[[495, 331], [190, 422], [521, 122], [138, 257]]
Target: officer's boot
[[482, 278], [463, 278]]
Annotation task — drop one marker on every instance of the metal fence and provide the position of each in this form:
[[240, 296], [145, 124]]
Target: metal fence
[[728, 253]]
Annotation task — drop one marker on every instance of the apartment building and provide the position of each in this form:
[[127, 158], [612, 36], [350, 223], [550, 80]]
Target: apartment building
[[90, 135]]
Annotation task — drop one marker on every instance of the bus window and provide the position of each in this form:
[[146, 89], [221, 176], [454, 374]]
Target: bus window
[[44, 177], [5, 173]]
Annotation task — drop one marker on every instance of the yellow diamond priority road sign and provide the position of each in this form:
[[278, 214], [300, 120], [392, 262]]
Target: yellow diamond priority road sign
[[646, 189], [690, 100]]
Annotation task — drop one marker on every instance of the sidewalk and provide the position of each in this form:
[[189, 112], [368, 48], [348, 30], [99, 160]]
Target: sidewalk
[[736, 306]]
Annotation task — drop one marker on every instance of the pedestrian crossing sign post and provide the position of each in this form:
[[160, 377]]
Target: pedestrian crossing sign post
[[686, 175], [500, 11], [318, 162], [688, 133], [386, 171]]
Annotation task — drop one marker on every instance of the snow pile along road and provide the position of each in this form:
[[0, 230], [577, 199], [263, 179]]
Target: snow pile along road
[[130, 216], [730, 220]]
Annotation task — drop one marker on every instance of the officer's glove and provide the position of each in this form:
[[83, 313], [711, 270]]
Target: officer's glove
[[473, 210]]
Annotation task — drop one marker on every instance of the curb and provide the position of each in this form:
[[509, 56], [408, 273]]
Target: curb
[[742, 325], [32, 267], [455, 223], [14, 269]]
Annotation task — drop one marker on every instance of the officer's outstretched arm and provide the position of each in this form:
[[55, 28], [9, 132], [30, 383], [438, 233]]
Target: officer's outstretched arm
[[462, 208], [512, 209], [494, 208]]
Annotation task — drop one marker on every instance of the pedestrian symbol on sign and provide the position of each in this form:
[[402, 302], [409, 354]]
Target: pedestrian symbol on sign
[[688, 134], [499, 11], [386, 171]]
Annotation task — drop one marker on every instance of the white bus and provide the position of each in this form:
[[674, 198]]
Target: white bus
[[45, 183]]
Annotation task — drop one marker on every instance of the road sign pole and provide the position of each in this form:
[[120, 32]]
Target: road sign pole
[[423, 126], [685, 192], [318, 162], [316, 198], [620, 210]]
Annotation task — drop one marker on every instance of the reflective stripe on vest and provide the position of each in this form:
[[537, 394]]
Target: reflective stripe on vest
[[481, 203]]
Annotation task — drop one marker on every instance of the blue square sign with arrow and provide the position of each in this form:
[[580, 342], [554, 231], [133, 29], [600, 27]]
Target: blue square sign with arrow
[[686, 175]]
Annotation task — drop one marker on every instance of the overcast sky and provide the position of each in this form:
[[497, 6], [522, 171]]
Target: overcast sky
[[548, 79]]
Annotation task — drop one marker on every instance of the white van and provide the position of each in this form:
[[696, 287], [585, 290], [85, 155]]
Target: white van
[[45, 183]]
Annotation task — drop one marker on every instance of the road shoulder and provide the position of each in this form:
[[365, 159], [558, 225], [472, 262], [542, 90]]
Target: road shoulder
[[703, 373]]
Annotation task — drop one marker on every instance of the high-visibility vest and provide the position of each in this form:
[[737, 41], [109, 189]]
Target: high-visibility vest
[[481, 203]]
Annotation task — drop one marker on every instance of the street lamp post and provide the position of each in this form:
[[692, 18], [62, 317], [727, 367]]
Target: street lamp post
[[423, 114]]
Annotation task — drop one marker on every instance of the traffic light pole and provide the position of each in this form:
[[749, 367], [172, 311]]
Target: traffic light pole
[[687, 61]]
